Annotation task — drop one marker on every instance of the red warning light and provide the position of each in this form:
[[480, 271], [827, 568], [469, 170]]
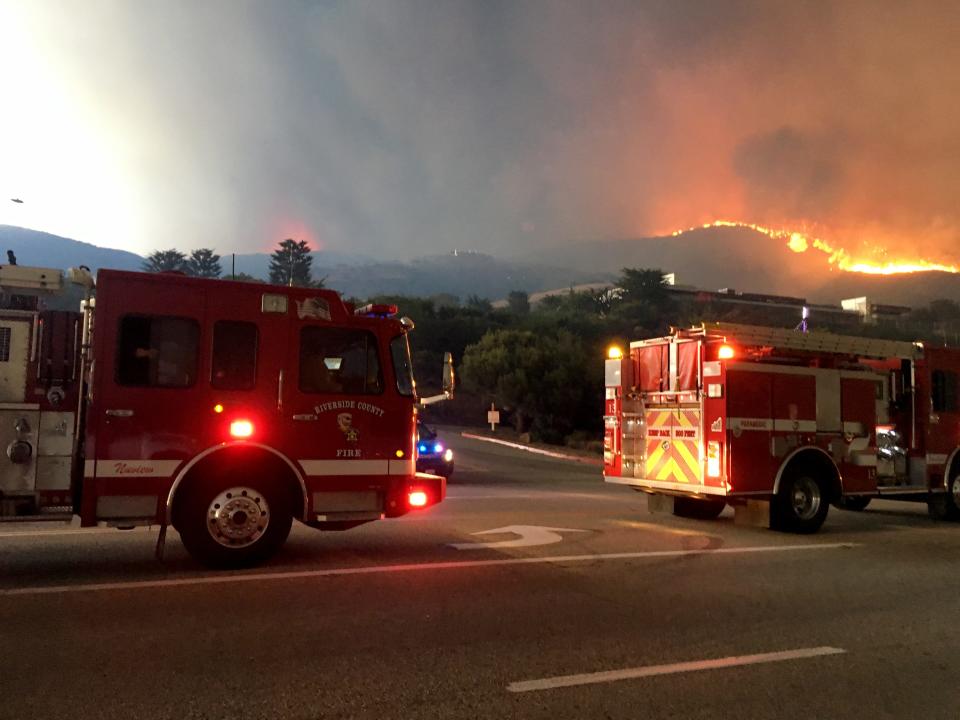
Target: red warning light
[[241, 429], [417, 498], [726, 353]]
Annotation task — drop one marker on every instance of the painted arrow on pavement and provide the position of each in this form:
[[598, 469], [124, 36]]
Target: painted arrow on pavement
[[529, 535]]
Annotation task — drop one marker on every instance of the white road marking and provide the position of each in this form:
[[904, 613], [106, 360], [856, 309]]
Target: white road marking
[[418, 567], [530, 535], [537, 496], [503, 496], [654, 527], [673, 668], [526, 448]]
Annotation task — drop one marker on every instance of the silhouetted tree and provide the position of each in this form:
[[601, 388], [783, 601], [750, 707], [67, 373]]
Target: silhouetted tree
[[479, 304], [643, 300], [518, 302], [601, 300], [166, 261], [586, 303], [205, 263], [642, 285], [290, 264]]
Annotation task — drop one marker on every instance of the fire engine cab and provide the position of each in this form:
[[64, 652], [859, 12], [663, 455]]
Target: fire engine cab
[[226, 409], [733, 414]]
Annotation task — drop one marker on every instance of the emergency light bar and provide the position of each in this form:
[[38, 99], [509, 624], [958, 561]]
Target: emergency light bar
[[376, 310]]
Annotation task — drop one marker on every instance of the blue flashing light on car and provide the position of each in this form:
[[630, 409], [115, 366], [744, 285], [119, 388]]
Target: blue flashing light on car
[[432, 455]]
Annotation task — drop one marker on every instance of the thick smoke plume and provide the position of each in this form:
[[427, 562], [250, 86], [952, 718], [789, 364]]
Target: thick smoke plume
[[402, 127]]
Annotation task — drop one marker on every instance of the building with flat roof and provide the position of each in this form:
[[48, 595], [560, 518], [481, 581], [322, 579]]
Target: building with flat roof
[[761, 308], [871, 312]]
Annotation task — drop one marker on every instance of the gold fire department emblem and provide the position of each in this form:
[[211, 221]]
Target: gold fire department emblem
[[345, 423]]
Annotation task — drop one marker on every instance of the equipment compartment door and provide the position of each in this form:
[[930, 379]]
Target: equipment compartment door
[[14, 355], [673, 445]]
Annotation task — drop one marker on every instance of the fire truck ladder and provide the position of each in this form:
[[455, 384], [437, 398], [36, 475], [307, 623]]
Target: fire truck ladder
[[814, 342]]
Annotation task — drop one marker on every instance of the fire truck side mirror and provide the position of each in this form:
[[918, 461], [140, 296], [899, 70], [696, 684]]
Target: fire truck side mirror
[[449, 377]]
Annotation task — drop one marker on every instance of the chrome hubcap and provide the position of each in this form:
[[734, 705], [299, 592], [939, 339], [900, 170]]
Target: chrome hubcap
[[955, 489], [805, 498], [238, 517]]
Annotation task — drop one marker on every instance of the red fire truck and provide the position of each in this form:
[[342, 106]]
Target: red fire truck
[[732, 414], [226, 409]]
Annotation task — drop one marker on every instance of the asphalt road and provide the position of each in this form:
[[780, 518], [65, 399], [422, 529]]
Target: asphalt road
[[687, 619]]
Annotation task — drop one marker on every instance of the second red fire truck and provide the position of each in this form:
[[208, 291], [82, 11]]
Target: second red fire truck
[[227, 409], [729, 414]]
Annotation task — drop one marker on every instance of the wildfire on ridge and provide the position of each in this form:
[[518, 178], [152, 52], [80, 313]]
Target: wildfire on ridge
[[800, 242]]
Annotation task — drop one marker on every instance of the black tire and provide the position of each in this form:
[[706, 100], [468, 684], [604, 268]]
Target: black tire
[[801, 504], [234, 522], [946, 505], [697, 509], [853, 503]]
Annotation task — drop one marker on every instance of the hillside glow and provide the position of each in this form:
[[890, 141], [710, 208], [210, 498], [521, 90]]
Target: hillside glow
[[800, 242]]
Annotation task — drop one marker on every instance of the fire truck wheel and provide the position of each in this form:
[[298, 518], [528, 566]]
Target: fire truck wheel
[[856, 504], [697, 509], [801, 505], [229, 526], [946, 506]]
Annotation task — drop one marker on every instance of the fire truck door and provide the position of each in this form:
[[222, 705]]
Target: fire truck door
[[943, 431], [249, 367], [908, 374], [148, 413], [338, 403], [897, 436]]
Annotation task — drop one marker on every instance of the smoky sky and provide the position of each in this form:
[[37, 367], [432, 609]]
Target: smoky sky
[[402, 127]]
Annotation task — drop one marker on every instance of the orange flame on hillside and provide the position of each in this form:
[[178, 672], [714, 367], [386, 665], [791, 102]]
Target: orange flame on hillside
[[800, 242]]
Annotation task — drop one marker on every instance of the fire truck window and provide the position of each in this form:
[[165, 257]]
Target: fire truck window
[[157, 351], [339, 361], [944, 391], [402, 368], [234, 355]]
